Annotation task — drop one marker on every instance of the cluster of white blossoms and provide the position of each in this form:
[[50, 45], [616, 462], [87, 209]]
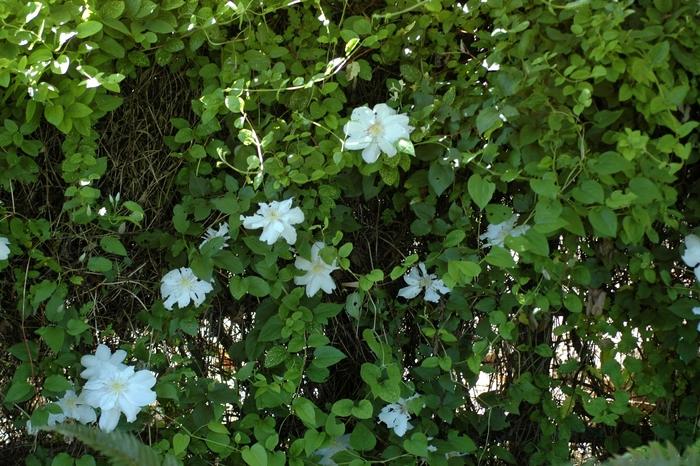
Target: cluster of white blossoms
[[396, 416], [277, 219], [4, 248], [112, 387], [318, 272], [691, 256], [182, 286], [496, 234], [375, 131], [418, 279]]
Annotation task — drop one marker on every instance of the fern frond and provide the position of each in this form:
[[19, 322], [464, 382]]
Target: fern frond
[[120, 448]]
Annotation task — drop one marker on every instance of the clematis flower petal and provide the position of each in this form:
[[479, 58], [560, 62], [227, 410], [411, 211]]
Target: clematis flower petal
[[371, 153], [109, 419], [4, 248], [410, 292]]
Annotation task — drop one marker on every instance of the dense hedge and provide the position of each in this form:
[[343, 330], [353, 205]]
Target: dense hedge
[[509, 282]]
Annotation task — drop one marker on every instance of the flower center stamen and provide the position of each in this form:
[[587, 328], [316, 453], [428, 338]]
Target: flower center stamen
[[317, 267], [185, 282], [375, 129], [117, 386]]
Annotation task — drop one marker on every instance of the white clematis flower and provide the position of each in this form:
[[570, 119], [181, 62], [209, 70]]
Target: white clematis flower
[[691, 256], [396, 416], [221, 232], [318, 273], [102, 362], [418, 281], [4, 248], [326, 453], [122, 391], [496, 234], [182, 286], [375, 131], [276, 219], [74, 407]]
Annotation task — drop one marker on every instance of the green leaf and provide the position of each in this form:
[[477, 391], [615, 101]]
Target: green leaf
[[76, 327], [659, 53], [234, 103], [461, 272], [342, 407], [604, 221], [480, 190], [645, 190], [88, 28], [255, 455], [42, 291], [305, 410], [86, 460], [275, 356], [57, 383], [257, 286], [326, 356], [180, 443], [440, 177], [363, 410], [53, 336], [112, 9], [417, 444], [180, 219], [362, 438], [453, 238], [53, 113], [78, 110], [112, 245], [202, 266], [158, 25], [573, 303], [19, 391], [500, 258], [62, 459], [545, 187], [488, 119], [609, 163], [99, 264], [588, 192]]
